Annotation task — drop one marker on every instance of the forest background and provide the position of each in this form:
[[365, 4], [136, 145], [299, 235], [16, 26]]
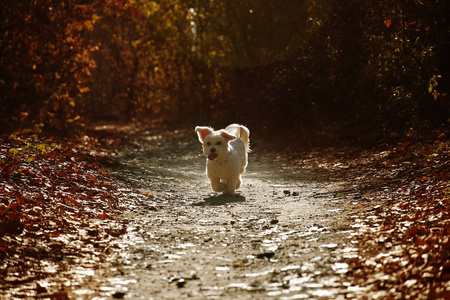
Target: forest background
[[306, 72]]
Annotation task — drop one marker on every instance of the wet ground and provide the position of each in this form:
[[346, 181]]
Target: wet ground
[[287, 234]]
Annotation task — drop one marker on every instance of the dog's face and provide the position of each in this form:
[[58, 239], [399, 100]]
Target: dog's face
[[215, 143]]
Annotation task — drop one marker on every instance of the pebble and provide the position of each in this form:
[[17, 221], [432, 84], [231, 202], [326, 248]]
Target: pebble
[[181, 283], [265, 255], [118, 295]]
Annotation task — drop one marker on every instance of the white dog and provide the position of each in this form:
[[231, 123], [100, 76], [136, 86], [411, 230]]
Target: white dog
[[227, 151]]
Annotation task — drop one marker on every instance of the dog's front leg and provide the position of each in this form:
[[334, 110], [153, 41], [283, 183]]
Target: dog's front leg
[[216, 185], [231, 186]]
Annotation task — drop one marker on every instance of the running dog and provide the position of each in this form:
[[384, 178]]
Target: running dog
[[226, 151]]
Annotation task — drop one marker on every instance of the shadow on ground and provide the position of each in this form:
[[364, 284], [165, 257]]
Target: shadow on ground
[[215, 200]]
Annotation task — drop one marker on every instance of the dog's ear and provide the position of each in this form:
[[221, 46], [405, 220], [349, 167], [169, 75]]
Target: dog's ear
[[202, 132], [227, 135]]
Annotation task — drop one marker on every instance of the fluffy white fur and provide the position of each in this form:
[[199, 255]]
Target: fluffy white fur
[[226, 151]]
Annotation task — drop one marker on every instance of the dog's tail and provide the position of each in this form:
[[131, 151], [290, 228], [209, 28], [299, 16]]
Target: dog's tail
[[241, 132]]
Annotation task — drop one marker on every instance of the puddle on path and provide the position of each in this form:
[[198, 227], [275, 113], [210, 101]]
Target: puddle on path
[[284, 236]]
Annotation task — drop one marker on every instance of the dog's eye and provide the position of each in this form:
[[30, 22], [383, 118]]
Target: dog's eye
[[208, 143], [219, 143]]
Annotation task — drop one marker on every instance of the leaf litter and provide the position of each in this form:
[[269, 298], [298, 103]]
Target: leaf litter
[[404, 227], [377, 229], [58, 214]]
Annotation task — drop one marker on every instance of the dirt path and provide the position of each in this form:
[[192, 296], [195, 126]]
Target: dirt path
[[284, 236]]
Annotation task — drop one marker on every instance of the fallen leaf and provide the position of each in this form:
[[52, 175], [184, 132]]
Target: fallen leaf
[[102, 216], [388, 23], [241, 265]]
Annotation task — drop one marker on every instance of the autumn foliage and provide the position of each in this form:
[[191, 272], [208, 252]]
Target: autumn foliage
[[48, 177], [51, 199], [368, 71], [45, 63]]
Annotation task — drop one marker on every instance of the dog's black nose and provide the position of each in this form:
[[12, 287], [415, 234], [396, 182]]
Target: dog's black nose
[[213, 150]]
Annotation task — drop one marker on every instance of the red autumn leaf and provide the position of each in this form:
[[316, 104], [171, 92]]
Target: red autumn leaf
[[241, 265], [419, 241], [51, 155], [74, 201], [388, 23], [102, 216], [92, 177]]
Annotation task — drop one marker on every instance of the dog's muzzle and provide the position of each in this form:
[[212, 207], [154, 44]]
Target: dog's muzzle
[[213, 154]]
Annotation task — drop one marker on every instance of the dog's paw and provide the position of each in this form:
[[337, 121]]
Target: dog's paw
[[217, 186], [228, 192]]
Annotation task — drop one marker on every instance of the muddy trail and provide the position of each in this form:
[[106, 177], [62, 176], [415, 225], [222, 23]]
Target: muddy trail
[[286, 234]]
